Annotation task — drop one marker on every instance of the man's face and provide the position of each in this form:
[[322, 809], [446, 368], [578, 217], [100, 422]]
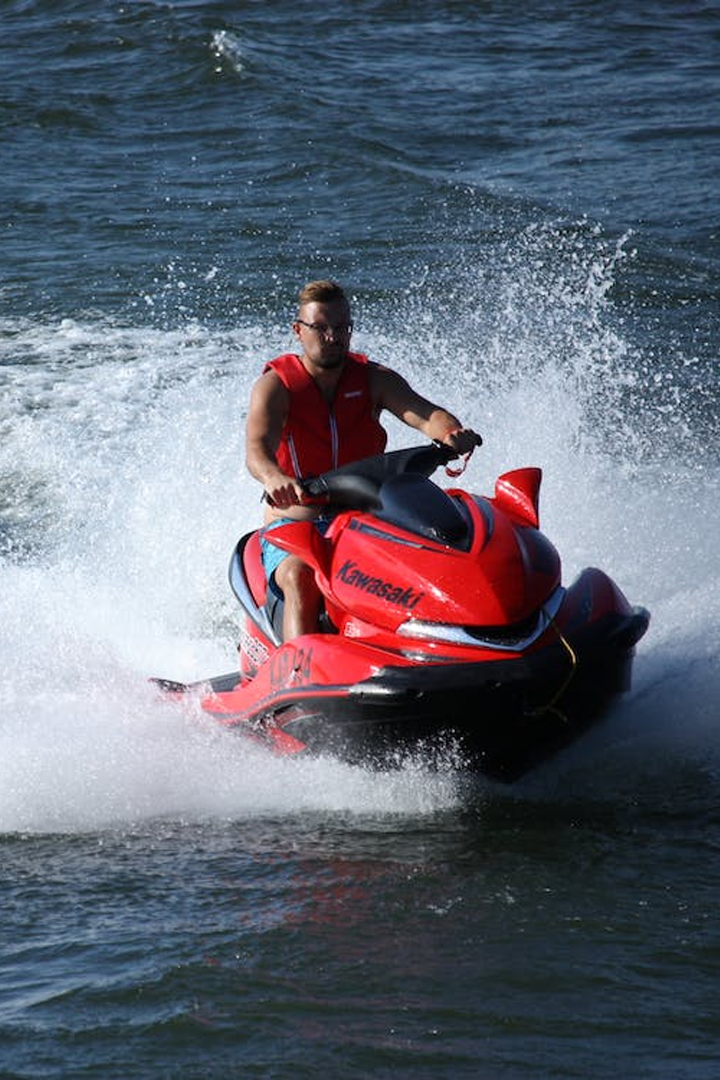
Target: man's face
[[324, 332]]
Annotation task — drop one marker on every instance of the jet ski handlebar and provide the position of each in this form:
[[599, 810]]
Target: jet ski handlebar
[[358, 484]]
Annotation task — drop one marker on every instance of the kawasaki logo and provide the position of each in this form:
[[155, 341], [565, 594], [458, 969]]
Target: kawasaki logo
[[350, 573]]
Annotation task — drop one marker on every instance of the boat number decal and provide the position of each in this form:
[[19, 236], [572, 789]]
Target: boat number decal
[[255, 651], [351, 574], [290, 665]]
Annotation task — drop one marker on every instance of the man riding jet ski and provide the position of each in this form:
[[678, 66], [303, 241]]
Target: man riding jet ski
[[317, 410], [444, 618]]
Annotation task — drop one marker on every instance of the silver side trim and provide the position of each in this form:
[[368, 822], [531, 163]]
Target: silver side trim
[[461, 635]]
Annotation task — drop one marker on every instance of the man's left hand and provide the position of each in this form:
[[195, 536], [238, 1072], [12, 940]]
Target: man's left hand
[[464, 440]]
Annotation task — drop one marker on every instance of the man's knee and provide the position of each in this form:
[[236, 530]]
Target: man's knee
[[294, 575]]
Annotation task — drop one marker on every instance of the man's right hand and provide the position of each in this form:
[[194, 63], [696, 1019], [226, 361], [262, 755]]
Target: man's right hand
[[284, 492]]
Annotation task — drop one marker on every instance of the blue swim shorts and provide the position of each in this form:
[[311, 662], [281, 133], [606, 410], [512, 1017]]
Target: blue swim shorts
[[272, 555]]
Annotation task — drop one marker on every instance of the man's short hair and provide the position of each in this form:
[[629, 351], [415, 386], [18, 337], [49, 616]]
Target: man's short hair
[[321, 292]]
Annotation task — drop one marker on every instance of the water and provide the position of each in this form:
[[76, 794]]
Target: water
[[523, 205]]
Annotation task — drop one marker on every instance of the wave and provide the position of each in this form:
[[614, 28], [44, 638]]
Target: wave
[[122, 491]]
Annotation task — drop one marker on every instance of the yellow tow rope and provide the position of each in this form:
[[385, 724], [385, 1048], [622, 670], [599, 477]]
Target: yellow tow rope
[[551, 704]]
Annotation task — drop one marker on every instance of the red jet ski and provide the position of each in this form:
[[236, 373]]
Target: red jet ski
[[446, 623]]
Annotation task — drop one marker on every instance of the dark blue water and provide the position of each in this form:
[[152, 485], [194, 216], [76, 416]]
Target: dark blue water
[[523, 204]]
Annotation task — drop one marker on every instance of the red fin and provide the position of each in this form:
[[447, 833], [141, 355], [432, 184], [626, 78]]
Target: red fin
[[518, 493]]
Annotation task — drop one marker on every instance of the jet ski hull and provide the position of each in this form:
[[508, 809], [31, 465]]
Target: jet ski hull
[[448, 629], [499, 716]]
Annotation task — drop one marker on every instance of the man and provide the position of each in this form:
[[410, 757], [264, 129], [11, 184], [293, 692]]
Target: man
[[316, 410]]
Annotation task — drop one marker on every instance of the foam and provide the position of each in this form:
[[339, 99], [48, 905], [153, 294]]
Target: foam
[[122, 491]]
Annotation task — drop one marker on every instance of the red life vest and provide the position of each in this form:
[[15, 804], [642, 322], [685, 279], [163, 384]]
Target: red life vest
[[317, 436]]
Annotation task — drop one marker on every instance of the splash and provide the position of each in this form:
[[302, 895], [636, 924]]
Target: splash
[[122, 492], [227, 47]]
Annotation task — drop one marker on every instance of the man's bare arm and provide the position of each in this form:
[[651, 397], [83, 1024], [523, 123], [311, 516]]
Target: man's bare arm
[[269, 402], [392, 392]]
